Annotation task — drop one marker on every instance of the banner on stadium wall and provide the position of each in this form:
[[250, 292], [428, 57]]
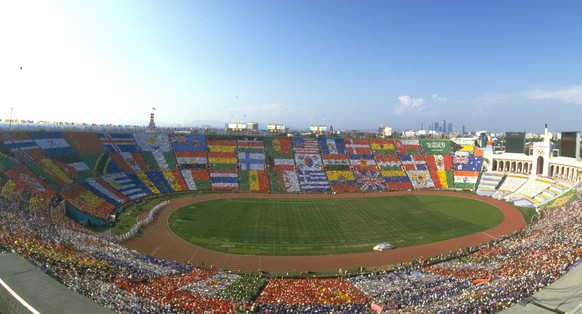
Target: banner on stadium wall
[[436, 147]]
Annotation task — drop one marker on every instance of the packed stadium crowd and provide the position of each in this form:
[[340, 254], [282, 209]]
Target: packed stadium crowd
[[483, 279], [487, 279]]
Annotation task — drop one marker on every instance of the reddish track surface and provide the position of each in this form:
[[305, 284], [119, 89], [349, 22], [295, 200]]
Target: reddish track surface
[[159, 241]]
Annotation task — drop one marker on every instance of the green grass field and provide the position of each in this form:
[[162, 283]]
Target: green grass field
[[329, 226]]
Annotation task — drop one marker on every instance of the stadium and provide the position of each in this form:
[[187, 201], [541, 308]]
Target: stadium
[[58, 187]]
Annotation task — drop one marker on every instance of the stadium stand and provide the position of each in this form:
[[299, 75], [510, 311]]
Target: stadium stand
[[254, 180], [284, 181], [196, 180], [224, 180], [312, 181], [396, 180], [332, 146], [356, 146], [510, 184], [370, 181], [95, 174], [382, 147], [489, 182], [342, 181], [22, 146]]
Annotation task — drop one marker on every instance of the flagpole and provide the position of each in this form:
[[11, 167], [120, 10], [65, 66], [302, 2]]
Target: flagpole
[[10, 121]]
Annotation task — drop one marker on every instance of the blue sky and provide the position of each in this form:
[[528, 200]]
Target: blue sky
[[488, 65]]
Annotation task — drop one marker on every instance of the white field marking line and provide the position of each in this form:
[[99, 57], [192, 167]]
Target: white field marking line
[[18, 298], [487, 234]]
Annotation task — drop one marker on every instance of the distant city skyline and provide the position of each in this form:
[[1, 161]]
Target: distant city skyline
[[491, 65]]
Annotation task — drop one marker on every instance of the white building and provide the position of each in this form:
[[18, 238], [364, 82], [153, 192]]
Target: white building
[[238, 126], [276, 128], [317, 129]]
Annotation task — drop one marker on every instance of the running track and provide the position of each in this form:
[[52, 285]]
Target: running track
[[159, 241]]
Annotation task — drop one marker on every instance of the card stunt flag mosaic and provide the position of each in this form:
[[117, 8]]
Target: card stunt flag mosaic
[[254, 181], [224, 180], [388, 162], [117, 142], [250, 146], [189, 143], [436, 147], [22, 146], [332, 146], [370, 181], [152, 142], [251, 161], [363, 162], [357, 146], [380, 146], [342, 181], [336, 162], [284, 181], [196, 179], [313, 181], [279, 147], [305, 145], [307, 162], [191, 160]]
